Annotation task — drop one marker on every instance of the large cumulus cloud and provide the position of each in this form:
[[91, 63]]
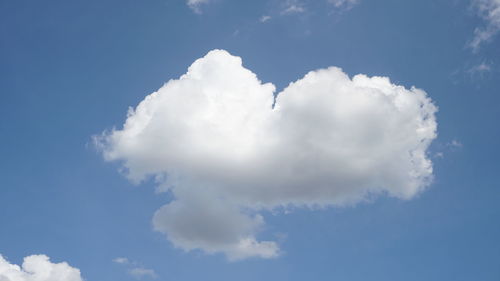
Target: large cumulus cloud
[[38, 268], [226, 149]]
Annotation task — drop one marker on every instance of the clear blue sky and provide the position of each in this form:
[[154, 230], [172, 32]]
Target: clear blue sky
[[70, 69]]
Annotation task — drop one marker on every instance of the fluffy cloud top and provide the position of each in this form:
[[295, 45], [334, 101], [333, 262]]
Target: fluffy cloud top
[[38, 268], [489, 10], [214, 139]]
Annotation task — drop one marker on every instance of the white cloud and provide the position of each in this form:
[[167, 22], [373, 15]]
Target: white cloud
[[455, 144], [38, 268], [264, 18], [480, 68], [214, 140], [344, 4], [489, 10], [448, 147], [195, 5], [293, 7], [121, 260], [140, 272], [135, 269]]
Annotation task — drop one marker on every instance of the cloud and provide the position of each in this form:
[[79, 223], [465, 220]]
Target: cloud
[[447, 147], [293, 7], [264, 18], [489, 11], [195, 5], [121, 260], [200, 220], [215, 141], [140, 272], [38, 268], [479, 69], [135, 269], [455, 144], [343, 4]]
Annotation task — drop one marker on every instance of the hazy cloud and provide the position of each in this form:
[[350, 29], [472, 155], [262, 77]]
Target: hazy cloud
[[264, 18], [455, 144], [480, 69], [140, 273], [443, 149], [214, 139], [343, 4], [489, 10], [195, 5], [293, 7], [121, 260], [135, 269]]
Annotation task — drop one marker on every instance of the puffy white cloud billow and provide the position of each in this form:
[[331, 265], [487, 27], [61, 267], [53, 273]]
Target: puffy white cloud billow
[[214, 139], [38, 268]]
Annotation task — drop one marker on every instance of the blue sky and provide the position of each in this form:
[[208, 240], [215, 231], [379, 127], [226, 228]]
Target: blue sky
[[69, 70]]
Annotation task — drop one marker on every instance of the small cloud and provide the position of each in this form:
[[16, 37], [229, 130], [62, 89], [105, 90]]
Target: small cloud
[[140, 272], [444, 149], [473, 71], [293, 7], [439, 155], [121, 260], [195, 5], [264, 18], [479, 71], [135, 269], [489, 11], [343, 4], [480, 68], [455, 144]]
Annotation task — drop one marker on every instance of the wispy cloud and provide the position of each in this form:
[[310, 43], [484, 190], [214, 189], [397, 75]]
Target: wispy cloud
[[475, 71], [140, 273], [479, 69], [195, 5], [293, 7], [135, 269], [264, 18], [455, 144], [444, 149], [343, 4], [121, 260], [489, 10]]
